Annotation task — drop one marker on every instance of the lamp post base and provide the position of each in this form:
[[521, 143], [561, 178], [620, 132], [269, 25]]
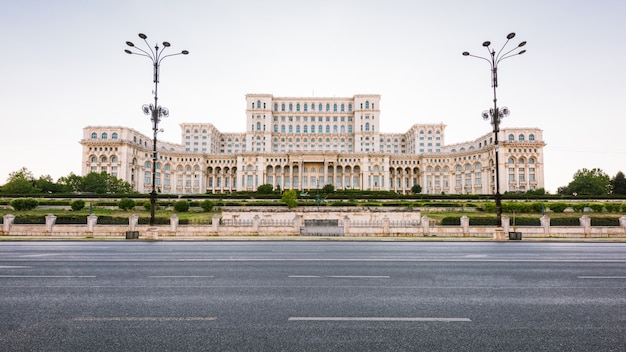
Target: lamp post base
[[498, 235], [152, 233]]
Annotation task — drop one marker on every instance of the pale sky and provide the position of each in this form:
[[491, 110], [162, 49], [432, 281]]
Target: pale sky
[[63, 68]]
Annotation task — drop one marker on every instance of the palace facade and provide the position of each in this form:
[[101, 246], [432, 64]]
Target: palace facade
[[306, 143]]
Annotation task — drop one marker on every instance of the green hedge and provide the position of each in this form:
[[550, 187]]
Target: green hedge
[[564, 222], [451, 221], [483, 221], [604, 222]]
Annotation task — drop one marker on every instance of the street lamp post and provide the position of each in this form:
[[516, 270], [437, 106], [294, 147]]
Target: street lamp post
[[496, 114], [155, 111]]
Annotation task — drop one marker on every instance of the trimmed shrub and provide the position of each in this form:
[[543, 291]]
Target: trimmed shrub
[[558, 207], [20, 204], [147, 205], [181, 206], [126, 204], [597, 207], [525, 221], [207, 205], [77, 205]]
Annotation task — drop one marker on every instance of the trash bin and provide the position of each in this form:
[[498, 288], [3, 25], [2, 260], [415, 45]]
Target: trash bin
[[515, 236], [132, 235]]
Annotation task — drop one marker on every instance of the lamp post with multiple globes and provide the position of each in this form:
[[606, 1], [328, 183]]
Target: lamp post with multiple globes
[[155, 111], [496, 114]]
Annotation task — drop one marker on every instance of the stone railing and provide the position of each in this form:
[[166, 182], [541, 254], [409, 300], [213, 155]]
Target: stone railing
[[300, 223]]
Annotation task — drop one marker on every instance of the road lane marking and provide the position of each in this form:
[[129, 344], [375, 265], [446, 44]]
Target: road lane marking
[[15, 267], [602, 277], [405, 319], [339, 276], [106, 319], [46, 276], [180, 276]]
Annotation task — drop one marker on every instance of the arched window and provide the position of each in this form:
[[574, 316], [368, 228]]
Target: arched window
[[114, 159], [282, 107], [531, 160], [511, 161], [104, 135], [94, 135], [282, 128], [298, 107], [258, 126], [531, 137], [343, 129], [334, 107], [275, 106], [327, 128], [258, 104], [349, 107], [343, 107], [320, 129], [511, 137], [94, 159], [349, 128], [306, 107], [114, 135], [367, 105], [306, 129], [297, 128], [327, 107], [290, 129], [521, 137], [275, 128], [290, 107], [367, 126], [319, 107]]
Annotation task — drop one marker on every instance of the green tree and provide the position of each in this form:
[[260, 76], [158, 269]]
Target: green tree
[[95, 182], [416, 189], [588, 183], [46, 184], [618, 183], [71, 183], [20, 182], [329, 188], [289, 198]]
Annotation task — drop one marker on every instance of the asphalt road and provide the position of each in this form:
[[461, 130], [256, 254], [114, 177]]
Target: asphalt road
[[312, 296]]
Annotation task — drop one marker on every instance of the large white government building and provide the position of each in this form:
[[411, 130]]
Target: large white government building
[[306, 143]]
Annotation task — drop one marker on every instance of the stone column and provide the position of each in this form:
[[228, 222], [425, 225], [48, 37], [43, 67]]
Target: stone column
[[8, 221], [426, 225], [92, 220], [465, 225], [50, 220], [174, 223], [385, 225], [297, 222], [545, 223], [256, 220], [133, 220], [215, 222], [506, 225], [346, 225], [585, 222]]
